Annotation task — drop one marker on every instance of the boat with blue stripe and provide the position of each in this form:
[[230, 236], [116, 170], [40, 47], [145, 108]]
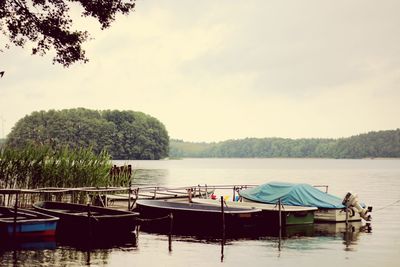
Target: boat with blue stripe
[[23, 223]]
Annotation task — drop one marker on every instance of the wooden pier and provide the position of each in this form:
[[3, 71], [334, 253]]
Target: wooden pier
[[116, 197]]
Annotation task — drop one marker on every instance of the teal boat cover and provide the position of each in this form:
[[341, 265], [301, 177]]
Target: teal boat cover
[[292, 194]]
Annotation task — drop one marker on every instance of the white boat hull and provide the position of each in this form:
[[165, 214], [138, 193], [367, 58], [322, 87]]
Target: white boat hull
[[336, 215]]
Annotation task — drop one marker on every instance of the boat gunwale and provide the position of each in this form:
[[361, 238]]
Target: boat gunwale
[[115, 213], [228, 210], [40, 217], [258, 205]]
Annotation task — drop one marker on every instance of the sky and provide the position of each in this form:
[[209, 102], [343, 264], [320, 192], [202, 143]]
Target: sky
[[217, 70]]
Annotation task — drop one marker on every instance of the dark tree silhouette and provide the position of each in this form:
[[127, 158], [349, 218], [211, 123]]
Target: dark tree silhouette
[[47, 24]]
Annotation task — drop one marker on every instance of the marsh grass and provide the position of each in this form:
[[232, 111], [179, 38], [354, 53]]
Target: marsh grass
[[41, 166]]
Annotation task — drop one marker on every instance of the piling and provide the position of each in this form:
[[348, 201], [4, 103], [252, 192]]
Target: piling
[[190, 190], [171, 223], [222, 220], [280, 214], [222, 228], [280, 224], [89, 220], [155, 192], [129, 195], [15, 216]]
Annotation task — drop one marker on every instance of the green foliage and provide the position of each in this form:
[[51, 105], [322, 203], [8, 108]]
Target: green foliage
[[41, 166], [124, 134], [2, 142], [47, 24], [181, 149], [373, 144]]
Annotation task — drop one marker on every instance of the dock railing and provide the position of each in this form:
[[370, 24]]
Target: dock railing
[[104, 196]]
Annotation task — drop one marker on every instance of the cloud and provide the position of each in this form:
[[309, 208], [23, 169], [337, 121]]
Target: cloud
[[214, 70]]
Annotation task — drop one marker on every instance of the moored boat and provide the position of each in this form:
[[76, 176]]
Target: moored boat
[[193, 218], [24, 223], [290, 215], [78, 219], [330, 208]]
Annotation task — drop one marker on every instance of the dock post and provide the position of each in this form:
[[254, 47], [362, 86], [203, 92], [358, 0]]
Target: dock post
[[223, 228], [155, 193], [280, 224], [129, 195], [89, 220], [171, 223], [223, 219], [280, 214], [234, 193], [15, 216], [189, 190]]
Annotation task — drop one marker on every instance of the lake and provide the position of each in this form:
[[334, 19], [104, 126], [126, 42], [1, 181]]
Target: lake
[[376, 181]]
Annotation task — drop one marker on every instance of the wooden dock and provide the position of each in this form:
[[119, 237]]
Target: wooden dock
[[118, 197]]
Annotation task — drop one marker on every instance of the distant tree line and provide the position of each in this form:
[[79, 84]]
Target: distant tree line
[[370, 145], [123, 134]]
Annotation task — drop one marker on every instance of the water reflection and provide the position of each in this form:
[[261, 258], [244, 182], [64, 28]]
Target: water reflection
[[67, 252], [299, 237], [28, 244], [146, 176], [62, 251]]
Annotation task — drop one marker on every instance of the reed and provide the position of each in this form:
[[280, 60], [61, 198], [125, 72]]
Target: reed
[[41, 166]]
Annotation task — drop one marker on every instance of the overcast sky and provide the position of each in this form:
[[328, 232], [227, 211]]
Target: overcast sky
[[217, 70]]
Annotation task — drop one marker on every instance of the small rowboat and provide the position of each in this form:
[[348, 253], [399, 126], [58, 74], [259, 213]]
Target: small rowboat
[[193, 218], [26, 223], [78, 219]]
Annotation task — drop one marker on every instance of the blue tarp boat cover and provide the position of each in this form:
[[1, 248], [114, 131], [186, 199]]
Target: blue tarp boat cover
[[292, 194]]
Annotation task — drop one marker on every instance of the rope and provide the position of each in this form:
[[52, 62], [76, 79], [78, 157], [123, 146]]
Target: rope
[[384, 207]]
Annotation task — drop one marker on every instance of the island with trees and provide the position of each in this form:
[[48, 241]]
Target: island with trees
[[123, 134]]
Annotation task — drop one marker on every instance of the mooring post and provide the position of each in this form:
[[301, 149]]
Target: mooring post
[[155, 192], [280, 224], [222, 228], [15, 216], [189, 190], [223, 219], [89, 220], [280, 214], [171, 223], [129, 195], [234, 193]]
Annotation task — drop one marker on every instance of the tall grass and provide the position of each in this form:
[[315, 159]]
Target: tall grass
[[41, 166]]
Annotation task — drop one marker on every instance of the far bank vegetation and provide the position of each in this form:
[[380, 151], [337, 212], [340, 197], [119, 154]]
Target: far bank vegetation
[[381, 144]]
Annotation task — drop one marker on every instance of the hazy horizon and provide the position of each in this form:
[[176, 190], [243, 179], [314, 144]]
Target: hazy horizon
[[218, 70]]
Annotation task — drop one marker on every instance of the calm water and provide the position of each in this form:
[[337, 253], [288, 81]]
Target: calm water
[[377, 183]]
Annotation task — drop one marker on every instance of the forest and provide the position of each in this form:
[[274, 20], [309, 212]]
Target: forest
[[123, 134], [135, 135], [380, 144]]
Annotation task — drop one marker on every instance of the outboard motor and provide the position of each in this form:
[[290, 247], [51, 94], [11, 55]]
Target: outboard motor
[[351, 200]]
